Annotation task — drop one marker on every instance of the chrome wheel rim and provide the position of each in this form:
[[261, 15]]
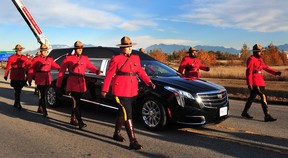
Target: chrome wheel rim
[[51, 96], [151, 113]]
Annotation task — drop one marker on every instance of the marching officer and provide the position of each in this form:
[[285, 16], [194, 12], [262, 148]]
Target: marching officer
[[256, 83], [40, 70], [191, 64], [18, 65], [76, 65], [122, 72]]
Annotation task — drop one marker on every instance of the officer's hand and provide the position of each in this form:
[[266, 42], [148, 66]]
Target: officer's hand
[[152, 85], [103, 94], [250, 87], [5, 78], [278, 73], [208, 69], [98, 72], [29, 83]]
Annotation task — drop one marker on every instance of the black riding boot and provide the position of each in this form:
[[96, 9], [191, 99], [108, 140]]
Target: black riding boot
[[17, 103], [245, 113], [73, 120], [45, 114], [80, 121], [40, 109], [118, 126], [267, 116], [130, 131]]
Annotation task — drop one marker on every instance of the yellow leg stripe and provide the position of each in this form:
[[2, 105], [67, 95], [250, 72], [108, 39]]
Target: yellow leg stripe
[[263, 95], [74, 102], [264, 98], [123, 109]]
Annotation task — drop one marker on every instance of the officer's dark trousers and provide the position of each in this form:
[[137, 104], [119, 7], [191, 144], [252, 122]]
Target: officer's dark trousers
[[17, 93], [76, 110], [42, 89], [17, 85], [253, 93]]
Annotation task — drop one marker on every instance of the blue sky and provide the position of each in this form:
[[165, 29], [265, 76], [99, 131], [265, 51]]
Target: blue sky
[[228, 23]]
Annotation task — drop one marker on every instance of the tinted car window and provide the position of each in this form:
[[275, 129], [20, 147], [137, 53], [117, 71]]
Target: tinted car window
[[157, 69], [97, 63]]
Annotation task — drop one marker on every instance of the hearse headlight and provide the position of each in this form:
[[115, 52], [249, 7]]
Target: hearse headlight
[[180, 95]]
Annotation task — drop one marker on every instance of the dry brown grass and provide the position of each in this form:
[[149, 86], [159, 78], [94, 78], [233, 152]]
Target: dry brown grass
[[238, 72]]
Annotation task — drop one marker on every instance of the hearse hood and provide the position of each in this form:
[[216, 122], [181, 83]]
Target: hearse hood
[[192, 86]]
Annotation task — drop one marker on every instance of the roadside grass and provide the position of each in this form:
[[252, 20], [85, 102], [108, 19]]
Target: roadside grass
[[239, 72]]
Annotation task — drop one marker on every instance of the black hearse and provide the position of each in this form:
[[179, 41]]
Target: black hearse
[[175, 99]]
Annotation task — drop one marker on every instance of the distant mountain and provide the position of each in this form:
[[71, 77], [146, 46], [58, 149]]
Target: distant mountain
[[283, 47], [174, 47]]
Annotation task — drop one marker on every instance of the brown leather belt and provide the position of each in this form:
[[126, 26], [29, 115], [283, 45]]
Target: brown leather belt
[[42, 71], [17, 68], [194, 70], [257, 72], [120, 73], [75, 74]]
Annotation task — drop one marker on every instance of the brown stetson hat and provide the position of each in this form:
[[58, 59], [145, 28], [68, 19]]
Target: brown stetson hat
[[43, 47], [78, 45], [18, 47], [257, 48], [191, 49], [126, 42]]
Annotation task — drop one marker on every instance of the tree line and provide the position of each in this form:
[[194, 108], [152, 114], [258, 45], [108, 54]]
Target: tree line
[[271, 55]]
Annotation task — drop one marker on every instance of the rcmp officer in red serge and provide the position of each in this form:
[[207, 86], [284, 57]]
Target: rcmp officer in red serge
[[18, 65], [122, 72], [191, 64], [40, 70], [256, 83], [76, 65]]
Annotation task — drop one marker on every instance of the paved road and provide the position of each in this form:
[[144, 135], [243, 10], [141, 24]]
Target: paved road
[[27, 134]]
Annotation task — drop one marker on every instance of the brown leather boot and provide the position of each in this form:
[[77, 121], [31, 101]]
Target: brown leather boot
[[130, 131], [45, 113], [117, 134], [73, 120], [40, 109]]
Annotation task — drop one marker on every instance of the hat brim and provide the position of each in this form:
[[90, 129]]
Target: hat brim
[[79, 47], [126, 45], [257, 50], [192, 51], [18, 49]]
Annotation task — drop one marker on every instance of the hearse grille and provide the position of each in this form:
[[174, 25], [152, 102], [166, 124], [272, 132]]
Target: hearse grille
[[214, 98]]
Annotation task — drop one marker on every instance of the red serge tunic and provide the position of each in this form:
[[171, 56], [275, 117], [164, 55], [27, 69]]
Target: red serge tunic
[[40, 69], [124, 85], [254, 76], [18, 64], [191, 66], [76, 66]]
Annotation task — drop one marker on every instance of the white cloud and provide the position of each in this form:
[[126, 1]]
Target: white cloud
[[135, 25], [256, 15], [62, 13]]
